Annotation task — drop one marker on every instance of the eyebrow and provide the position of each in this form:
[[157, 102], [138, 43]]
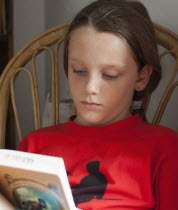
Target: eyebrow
[[104, 65], [77, 60]]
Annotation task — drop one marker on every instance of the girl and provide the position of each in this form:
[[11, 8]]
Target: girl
[[114, 159]]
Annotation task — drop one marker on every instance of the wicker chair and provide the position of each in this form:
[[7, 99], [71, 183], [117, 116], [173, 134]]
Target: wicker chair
[[43, 42]]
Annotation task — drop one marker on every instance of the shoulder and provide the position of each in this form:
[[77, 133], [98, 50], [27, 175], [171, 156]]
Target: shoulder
[[42, 137], [160, 129], [156, 130], [161, 137], [157, 135], [47, 132], [60, 128]]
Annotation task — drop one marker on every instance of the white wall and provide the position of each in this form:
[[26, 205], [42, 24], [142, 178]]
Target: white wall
[[32, 17], [163, 12], [29, 20]]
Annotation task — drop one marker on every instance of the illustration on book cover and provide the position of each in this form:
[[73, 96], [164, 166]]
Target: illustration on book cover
[[29, 193]]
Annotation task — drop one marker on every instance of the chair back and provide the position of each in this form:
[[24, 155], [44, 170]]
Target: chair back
[[42, 42], [169, 43]]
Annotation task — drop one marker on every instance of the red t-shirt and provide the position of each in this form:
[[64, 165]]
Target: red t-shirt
[[127, 165]]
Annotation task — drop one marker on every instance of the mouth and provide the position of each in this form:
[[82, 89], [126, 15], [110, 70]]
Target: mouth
[[90, 105]]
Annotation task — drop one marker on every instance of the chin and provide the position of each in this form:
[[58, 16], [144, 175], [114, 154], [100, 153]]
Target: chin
[[92, 121]]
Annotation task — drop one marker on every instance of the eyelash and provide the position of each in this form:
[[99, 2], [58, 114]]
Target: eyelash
[[83, 72], [110, 76], [79, 72]]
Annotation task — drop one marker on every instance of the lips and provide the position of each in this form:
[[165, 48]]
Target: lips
[[90, 105]]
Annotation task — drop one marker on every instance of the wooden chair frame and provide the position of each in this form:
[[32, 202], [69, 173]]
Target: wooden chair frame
[[168, 40], [165, 37]]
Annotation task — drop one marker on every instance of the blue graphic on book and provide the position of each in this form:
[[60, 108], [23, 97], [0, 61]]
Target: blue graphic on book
[[30, 195], [31, 198]]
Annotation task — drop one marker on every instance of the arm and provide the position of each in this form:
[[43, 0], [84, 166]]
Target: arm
[[167, 179]]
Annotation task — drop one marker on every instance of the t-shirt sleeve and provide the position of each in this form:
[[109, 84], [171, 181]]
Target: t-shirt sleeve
[[167, 179]]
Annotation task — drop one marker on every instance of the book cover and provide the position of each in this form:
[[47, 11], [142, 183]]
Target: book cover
[[32, 181]]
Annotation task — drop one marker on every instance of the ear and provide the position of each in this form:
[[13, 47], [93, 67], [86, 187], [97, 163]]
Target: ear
[[143, 77]]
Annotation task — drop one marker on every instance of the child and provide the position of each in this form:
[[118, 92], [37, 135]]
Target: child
[[114, 159]]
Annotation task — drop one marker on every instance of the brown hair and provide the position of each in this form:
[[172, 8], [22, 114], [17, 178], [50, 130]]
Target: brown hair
[[128, 20]]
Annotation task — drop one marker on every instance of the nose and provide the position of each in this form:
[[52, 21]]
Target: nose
[[92, 85]]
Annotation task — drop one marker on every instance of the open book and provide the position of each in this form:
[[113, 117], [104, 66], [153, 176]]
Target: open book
[[32, 181]]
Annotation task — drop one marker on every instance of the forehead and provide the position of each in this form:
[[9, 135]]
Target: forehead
[[89, 44]]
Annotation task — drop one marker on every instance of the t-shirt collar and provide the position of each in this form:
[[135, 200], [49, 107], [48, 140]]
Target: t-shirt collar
[[126, 124]]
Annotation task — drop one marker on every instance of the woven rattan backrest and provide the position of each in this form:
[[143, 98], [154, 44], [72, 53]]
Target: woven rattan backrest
[[169, 41], [39, 44], [42, 42]]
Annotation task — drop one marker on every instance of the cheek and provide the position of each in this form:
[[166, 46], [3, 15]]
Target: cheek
[[75, 86], [71, 80], [121, 93]]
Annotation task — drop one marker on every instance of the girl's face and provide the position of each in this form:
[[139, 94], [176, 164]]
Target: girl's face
[[102, 76]]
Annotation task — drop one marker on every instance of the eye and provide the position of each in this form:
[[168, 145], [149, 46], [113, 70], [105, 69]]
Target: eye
[[79, 72], [107, 76]]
